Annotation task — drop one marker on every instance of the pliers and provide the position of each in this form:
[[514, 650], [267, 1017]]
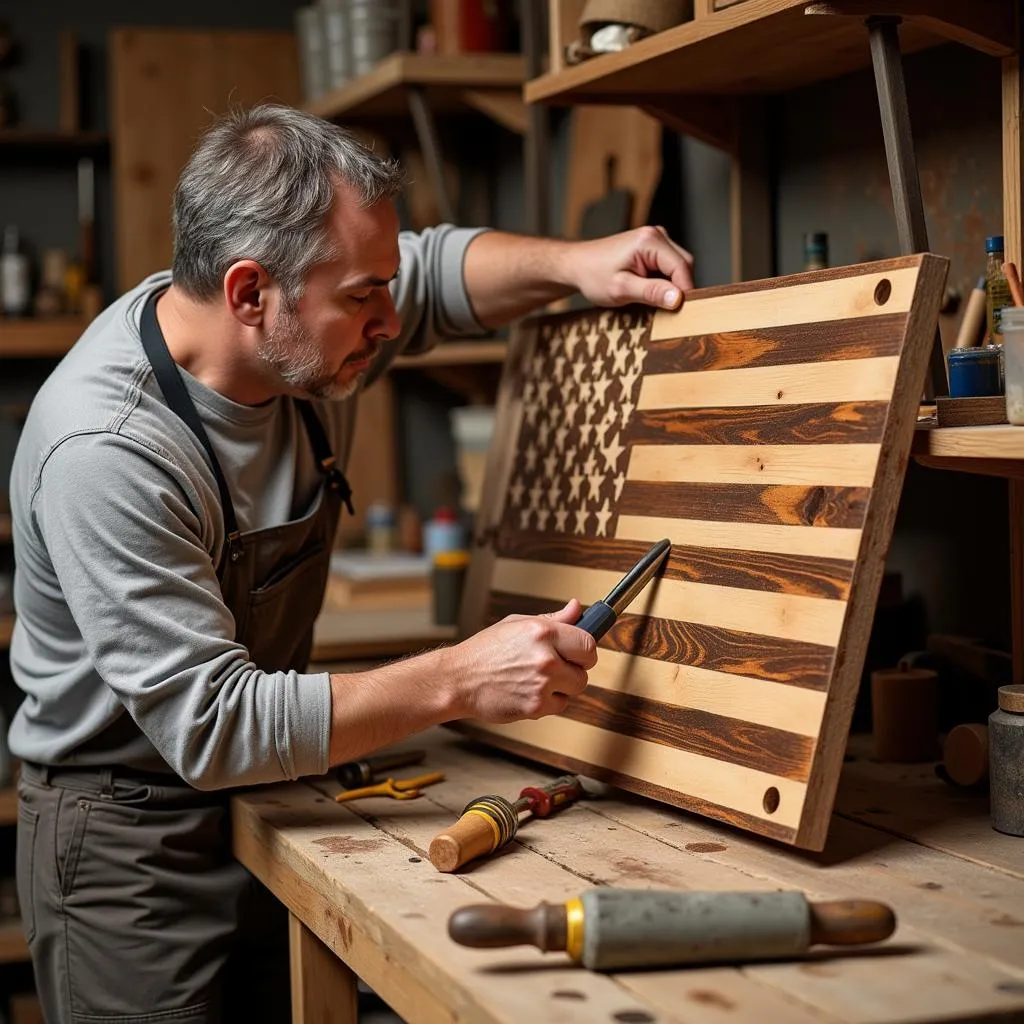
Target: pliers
[[401, 789]]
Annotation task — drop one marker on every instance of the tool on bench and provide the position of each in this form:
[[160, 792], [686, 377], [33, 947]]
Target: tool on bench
[[397, 789], [361, 773], [490, 822], [601, 616], [613, 929]]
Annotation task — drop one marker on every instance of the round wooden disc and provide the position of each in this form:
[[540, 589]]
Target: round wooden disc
[[1011, 698], [965, 754]]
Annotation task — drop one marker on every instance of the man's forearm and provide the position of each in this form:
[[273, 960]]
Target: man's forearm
[[508, 276], [371, 709]]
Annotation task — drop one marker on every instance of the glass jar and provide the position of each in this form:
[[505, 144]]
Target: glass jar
[[974, 371], [1012, 323], [997, 288]]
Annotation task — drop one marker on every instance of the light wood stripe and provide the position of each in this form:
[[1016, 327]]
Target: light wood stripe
[[814, 541], [841, 465], [775, 705], [732, 786], [840, 299], [850, 380], [813, 619]]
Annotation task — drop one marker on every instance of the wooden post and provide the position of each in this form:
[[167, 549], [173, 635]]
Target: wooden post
[[323, 987], [537, 142], [750, 207], [911, 228], [564, 16]]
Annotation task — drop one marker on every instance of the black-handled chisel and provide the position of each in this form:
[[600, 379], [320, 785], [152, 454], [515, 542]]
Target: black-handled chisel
[[601, 616]]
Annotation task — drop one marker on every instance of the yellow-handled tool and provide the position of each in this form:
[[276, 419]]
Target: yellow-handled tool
[[397, 789]]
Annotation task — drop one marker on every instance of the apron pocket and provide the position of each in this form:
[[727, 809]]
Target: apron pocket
[[282, 575]]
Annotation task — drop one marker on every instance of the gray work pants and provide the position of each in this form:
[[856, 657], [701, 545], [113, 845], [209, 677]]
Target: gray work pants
[[134, 908]]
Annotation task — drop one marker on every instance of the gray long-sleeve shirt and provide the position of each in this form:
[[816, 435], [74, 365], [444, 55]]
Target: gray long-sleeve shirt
[[118, 529]]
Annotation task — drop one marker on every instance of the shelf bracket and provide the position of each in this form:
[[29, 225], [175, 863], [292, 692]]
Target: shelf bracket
[[911, 228], [426, 135]]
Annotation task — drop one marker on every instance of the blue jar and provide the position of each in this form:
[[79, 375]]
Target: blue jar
[[974, 372]]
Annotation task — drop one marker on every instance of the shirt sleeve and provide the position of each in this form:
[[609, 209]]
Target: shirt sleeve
[[430, 292], [127, 546]]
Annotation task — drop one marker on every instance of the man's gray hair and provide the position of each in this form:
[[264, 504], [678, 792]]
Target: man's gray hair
[[260, 186]]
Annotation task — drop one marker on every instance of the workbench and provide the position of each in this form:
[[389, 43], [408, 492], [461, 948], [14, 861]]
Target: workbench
[[365, 901]]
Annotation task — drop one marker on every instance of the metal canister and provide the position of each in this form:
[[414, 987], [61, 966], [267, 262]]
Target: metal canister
[[1006, 761]]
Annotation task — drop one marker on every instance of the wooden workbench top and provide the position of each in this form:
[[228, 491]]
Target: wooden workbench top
[[358, 877]]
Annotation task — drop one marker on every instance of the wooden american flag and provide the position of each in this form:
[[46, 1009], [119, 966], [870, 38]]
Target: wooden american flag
[[764, 429]]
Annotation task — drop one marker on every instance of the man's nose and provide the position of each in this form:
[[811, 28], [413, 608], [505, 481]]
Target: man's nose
[[386, 323]]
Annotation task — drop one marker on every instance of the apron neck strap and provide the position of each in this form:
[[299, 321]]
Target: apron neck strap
[[324, 455]]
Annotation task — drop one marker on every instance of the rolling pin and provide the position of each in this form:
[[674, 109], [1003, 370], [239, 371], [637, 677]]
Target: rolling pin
[[613, 929], [490, 822]]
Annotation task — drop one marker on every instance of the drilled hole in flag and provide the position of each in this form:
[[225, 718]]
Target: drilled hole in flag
[[882, 291], [771, 800]]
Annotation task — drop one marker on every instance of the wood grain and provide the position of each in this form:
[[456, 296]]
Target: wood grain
[[797, 343], [752, 570], [688, 643], [793, 301], [810, 619], [780, 505], [853, 465], [732, 786], [822, 423], [700, 732], [851, 380]]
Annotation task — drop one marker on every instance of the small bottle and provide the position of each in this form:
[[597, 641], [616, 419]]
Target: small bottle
[[448, 577], [381, 528], [15, 288], [1006, 761], [443, 533], [816, 250], [996, 287]]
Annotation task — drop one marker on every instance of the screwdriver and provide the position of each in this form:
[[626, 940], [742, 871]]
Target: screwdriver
[[490, 822], [601, 615], [614, 929]]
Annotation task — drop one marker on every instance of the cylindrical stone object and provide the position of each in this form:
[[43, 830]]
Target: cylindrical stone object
[[625, 928], [1006, 761]]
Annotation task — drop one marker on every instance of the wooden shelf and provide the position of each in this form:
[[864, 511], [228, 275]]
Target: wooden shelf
[[72, 143], [6, 629], [457, 353], [382, 92], [13, 946], [996, 450], [36, 338], [763, 47], [5, 527], [8, 806]]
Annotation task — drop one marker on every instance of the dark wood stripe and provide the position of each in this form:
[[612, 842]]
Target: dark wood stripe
[[776, 346], [840, 423], [792, 662], [748, 822], [805, 575], [780, 505], [775, 751], [811, 277]]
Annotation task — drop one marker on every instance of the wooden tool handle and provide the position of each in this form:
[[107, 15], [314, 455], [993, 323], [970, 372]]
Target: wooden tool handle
[[471, 836], [851, 922], [492, 925]]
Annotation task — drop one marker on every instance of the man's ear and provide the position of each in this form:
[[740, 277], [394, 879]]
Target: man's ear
[[246, 284]]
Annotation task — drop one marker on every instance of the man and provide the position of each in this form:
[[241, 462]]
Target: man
[[175, 495]]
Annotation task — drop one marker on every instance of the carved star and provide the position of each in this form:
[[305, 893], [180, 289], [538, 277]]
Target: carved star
[[586, 390], [531, 457], [524, 518], [543, 388], [627, 408], [575, 482], [535, 495], [600, 386], [620, 481], [516, 492], [595, 480], [582, 515], [602, 519], [561, 514], [559, 368], [570, 411], [585, 431], [542, 518], [619, 358], [570, 340], [612, 450], [554, 491], [590, 464], [578, 369], [560, 435], [531, 414]]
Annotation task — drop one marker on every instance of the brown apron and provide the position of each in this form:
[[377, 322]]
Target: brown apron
[[134, 908]]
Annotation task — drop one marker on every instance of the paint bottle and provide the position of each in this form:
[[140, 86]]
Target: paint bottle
[[816, 250], [974, 371], [1006, 761], [996, 286], [448, 578], [15, 286], [443, 533]]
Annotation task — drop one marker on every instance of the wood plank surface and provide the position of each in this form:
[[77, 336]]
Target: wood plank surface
[[773, 472], [358, 876], [323, 988]]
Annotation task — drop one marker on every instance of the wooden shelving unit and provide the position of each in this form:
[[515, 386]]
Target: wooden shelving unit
[[28, 141], [457, 353], [765, 46], [39, 338], [445, 79]]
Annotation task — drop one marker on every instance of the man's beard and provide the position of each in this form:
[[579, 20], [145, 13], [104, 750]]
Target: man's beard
[[291, 352]]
